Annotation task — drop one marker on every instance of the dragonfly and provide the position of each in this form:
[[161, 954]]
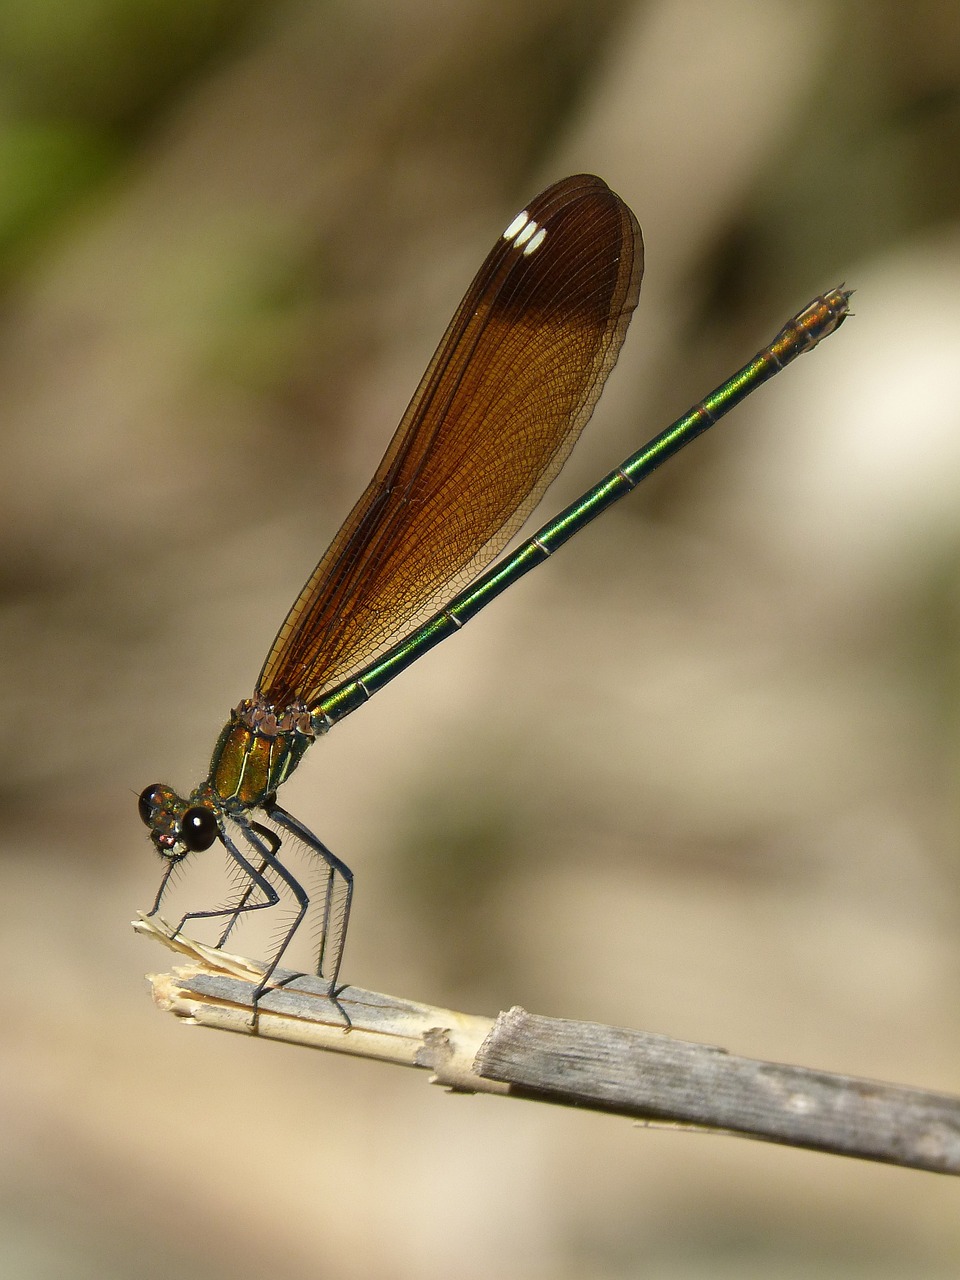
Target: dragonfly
[[503, 401]]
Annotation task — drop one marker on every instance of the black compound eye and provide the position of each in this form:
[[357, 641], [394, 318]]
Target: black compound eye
[[146, 802], [198, 829]]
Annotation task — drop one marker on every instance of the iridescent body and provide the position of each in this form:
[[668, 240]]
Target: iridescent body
[[502, 403]]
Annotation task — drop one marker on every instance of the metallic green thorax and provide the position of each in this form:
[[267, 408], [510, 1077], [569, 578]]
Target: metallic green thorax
[[257, 751]]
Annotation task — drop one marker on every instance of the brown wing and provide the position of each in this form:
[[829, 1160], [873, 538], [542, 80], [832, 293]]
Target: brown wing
[[499, 408]]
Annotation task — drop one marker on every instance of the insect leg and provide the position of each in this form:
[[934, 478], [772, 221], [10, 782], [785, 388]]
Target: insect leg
[[258, 880], [338, 895], [165, 880]]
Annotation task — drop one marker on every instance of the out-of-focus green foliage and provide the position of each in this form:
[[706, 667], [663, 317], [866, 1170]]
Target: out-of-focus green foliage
[[44, 166], [79, 83], [111, 61]]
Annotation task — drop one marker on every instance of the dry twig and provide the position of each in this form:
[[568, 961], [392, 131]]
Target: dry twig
[[648, 1077]]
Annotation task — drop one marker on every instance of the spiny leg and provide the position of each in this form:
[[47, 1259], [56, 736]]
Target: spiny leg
[[338, 895], [242, 906], [270, 861], [266, 843], [257, 880], [165, 880]]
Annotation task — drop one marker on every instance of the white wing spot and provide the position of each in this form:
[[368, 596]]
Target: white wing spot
[[524, 235], [519, 222], [536, 242]]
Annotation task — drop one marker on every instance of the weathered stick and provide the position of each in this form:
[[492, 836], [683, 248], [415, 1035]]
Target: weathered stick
[[637, 1073], [648, 1077], [215, 989]]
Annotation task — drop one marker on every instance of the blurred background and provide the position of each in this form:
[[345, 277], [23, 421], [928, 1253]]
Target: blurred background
[[698, 775]]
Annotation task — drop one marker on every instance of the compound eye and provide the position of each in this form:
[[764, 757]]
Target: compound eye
[[198, 829], [146, 802]]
